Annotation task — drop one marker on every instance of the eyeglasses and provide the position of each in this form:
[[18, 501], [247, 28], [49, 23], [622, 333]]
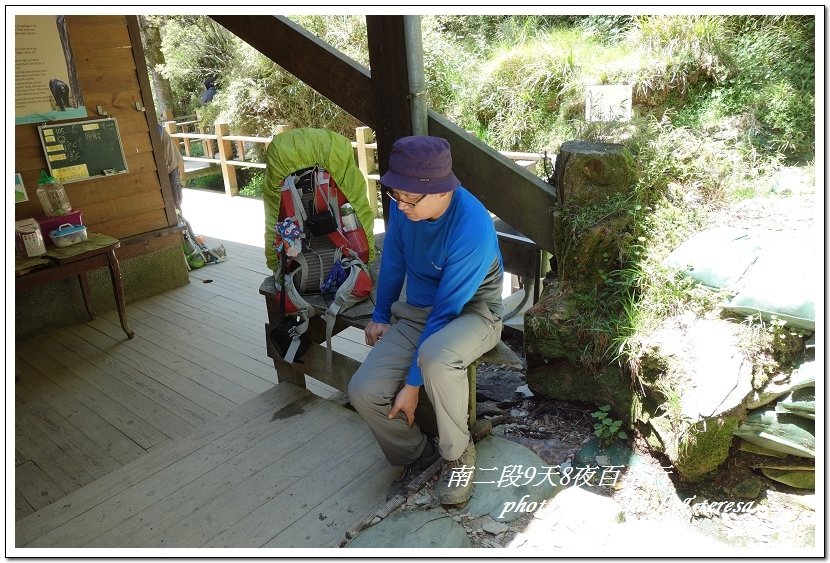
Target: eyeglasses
[[397, 199]]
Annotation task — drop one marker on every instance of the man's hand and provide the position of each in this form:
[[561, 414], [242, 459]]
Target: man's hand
[[374, 331], [406, 401]]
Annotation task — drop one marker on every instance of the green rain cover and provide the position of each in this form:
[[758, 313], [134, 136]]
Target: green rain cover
[[296, 149]]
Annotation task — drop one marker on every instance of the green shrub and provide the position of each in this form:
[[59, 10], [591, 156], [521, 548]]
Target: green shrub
[[254, 184]]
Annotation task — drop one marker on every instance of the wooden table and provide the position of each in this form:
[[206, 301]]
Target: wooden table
[[76, 260]]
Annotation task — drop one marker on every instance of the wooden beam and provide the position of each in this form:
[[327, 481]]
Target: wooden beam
[[390, 86], [517, 196], [512, 193], [150, 113], [318, 64]]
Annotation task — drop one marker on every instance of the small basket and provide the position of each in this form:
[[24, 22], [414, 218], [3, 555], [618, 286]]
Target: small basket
[[68, 234]]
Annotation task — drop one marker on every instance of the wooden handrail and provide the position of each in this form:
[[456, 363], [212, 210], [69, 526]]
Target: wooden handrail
[[366, 154]]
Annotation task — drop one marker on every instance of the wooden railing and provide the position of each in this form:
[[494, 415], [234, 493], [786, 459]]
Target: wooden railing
[[189, 130]]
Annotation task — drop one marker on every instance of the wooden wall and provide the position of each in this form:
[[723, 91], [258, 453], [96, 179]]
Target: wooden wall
[[112, 73]]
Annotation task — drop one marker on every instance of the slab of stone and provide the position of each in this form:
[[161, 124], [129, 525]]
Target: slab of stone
[[553, 451], [576, 518], [521, 474], [495, 528], [591, 454], [414, 529], [490, 408], [498, 385]]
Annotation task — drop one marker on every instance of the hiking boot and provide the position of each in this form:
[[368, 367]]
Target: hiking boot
[[412, 470], [455, 483]]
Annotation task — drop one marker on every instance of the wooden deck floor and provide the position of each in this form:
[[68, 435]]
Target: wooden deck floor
[[98, 416]]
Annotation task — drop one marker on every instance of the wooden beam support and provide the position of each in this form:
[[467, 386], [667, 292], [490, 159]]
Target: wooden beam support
[[512, 193], [318, 64], [150, 113], [518, 197], [390, 86]]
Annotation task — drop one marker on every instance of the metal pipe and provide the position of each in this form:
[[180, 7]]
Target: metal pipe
[[415, 69]]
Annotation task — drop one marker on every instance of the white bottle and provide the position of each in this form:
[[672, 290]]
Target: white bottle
[[348, 217]]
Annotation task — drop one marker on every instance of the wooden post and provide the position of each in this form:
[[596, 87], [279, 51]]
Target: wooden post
[[240, 150], [186, 129], [207, 146], [226, 154], [366, 163], [390, 86]]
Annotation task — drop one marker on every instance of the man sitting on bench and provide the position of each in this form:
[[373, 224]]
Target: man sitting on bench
[[412, 389]]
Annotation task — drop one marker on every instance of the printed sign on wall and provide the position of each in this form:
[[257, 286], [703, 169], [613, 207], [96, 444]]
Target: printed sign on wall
[[45, 82]]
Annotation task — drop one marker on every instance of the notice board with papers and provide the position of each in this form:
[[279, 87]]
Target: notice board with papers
[[83, 149]]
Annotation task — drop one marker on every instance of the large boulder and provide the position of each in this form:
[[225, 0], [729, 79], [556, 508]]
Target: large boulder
[[696, 373]]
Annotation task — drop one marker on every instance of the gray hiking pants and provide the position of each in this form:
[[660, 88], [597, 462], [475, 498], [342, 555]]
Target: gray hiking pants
[[444, 397]]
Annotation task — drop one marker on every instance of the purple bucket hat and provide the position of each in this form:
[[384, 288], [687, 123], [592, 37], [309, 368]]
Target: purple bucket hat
[[420, 165]]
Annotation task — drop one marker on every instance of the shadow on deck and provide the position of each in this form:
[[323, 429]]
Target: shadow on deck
[[181, 437], [285, 469]]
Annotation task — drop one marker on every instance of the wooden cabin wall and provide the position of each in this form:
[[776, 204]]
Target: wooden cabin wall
[[127, 204], [135, 207]]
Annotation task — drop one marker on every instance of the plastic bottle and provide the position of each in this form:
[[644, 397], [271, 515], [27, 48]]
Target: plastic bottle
[[348, 217], [353, 232], [52, 196]]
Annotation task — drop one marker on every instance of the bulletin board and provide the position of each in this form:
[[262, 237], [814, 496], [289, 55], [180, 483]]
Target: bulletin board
[[83, 149]]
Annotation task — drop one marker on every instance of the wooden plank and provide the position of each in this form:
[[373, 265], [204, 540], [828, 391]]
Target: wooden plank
[[248, 356], [67, 438], [62, 469], [103, 59], [314, 364], [146, 97], [360, 497], [183, 352], [173, 371], [83, 500], [208, 505], [34, 487], [350, 348], [193, 295], [189, 399], [128, 226], [21, 506], [103, 35], [34, 386], [97, 80], [95, 389], [157, 476], [207, 318], [81, 23], [267, 522]]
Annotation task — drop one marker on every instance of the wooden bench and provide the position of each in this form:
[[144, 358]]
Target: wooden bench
[[313, 362]]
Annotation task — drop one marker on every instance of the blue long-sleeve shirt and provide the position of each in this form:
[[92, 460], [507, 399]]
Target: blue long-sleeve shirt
[[446, 262]]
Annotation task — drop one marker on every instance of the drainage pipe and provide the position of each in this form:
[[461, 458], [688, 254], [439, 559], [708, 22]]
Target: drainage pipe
[[415, 69]]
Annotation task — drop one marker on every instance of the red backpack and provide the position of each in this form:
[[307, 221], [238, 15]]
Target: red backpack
[[322, 249]]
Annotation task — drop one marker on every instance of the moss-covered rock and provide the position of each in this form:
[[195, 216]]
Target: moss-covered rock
[[588, 173], [564, 380], [696, 449]]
